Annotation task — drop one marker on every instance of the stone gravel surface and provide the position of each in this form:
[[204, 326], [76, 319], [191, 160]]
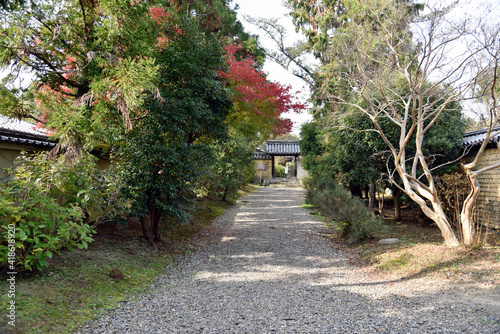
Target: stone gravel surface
[[265, 268]]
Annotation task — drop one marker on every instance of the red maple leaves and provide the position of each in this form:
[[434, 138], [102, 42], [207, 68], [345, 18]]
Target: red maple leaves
[[264, 101], [159, 15]]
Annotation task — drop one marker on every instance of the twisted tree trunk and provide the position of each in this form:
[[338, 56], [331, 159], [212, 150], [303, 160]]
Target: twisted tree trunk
[[149, 224]]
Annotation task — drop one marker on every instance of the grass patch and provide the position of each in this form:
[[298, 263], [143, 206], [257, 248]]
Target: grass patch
[[249, 188], [437, 260], [80, 285], [399, 262], [314, 212]]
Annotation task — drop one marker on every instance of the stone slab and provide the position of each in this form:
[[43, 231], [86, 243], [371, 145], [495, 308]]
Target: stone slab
[[390, 241]]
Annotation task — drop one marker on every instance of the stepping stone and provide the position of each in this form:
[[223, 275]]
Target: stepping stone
[[388, 241]]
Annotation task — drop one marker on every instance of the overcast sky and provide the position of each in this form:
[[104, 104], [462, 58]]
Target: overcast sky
[[275, 9]]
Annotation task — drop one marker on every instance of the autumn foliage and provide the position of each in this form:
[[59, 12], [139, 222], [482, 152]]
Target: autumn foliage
[[257, 101]]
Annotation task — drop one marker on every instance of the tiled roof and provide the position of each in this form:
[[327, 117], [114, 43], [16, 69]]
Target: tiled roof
[[8, 123], [477, 137], [22, 133], [261, 156], [282, 147]]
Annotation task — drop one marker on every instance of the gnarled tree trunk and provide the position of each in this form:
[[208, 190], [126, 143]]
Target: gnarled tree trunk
[[466, 221], [150, 224]]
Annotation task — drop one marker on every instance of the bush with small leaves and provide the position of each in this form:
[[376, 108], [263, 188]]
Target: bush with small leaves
[[348, 214], [232, 168], [279, 171]]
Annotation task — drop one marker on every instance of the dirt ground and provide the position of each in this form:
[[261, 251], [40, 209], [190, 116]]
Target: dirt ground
[[422, 252]]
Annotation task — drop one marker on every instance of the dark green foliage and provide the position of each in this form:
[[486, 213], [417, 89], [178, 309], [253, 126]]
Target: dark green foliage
[[11, 4], [220, 16], [168, 151], [313, 149], [358, 154], [233, 167], [347, 214], [342, 152], [352, 151], [443, 141]]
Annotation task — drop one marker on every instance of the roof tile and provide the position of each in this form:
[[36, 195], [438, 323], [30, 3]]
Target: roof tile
[[477, 137], [282, 147]]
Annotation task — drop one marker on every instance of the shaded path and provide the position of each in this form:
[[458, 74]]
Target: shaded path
[[268, 270]]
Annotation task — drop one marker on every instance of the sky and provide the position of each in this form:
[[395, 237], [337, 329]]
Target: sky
[[275, 9]]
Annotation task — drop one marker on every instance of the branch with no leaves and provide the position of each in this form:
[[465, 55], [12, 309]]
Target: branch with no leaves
[[286, 55]]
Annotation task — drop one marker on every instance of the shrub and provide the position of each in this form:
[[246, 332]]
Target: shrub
[[453, 189], [106, 201], [309, 184], [279, 171], [347, 214], [41, 227], [49, 204], [232, 168]]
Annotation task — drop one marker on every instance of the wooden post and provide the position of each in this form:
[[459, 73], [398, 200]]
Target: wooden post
[[296, 165], [272, 166]]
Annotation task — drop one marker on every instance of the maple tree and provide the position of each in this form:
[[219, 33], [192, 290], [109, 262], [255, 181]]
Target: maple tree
[[257, 102]]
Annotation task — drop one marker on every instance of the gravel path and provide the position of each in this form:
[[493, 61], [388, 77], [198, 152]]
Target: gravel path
[[267, 269]]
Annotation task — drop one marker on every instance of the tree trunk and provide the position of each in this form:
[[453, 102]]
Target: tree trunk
[[445, 227], [156, 224], [468, 205], [434, 211], [439, 217], [397, 204], [381, 204], [149, 225], [147, 232], [224, 194], [372, 194]]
